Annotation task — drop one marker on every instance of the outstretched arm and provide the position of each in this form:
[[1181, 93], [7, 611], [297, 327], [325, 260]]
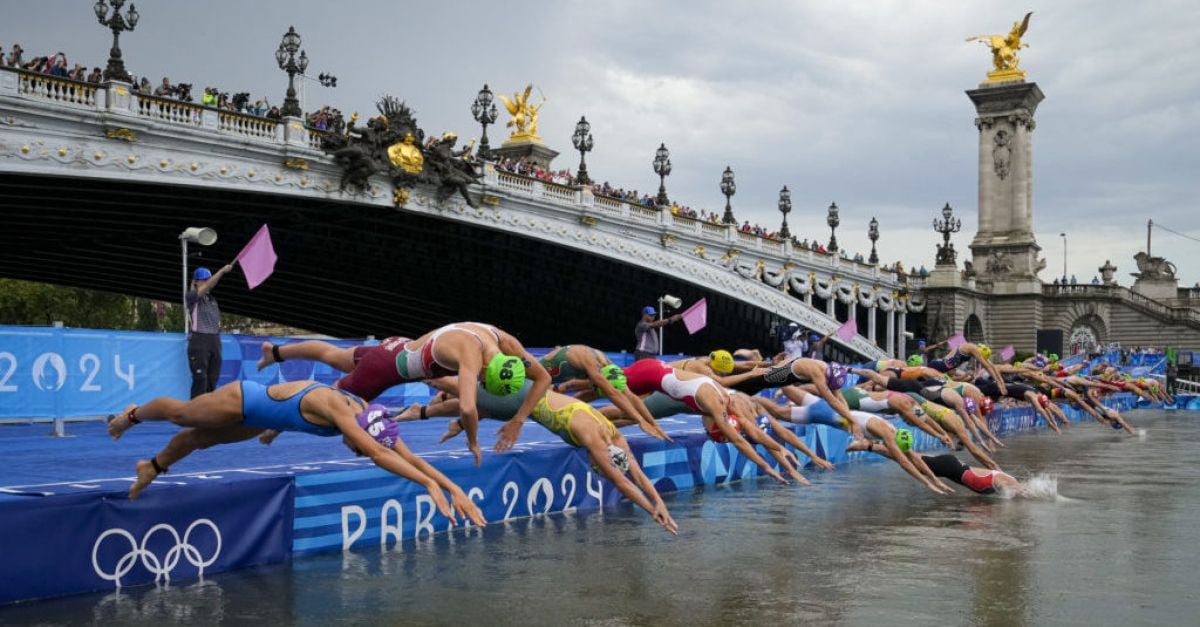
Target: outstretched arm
[[541, 384]]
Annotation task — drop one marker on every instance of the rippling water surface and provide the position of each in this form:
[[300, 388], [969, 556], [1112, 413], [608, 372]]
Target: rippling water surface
[[1114, 540]]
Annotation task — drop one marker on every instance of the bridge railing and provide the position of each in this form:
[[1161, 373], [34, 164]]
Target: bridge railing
[[112, 101], [1125, 294]]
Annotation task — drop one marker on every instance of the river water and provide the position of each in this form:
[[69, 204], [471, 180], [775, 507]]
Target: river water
[[1114, 540]]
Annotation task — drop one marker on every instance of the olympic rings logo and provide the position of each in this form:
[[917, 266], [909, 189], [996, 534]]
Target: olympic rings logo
[[160, 568]]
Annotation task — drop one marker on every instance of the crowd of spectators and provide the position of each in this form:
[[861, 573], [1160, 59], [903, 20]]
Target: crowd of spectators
[[524, 167], [53, 65], [326, 119]]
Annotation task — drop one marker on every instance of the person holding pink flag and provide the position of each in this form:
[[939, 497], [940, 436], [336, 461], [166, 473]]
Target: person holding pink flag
[[204, 331]]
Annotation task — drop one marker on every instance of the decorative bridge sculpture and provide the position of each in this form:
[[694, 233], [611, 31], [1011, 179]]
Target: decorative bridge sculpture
[[54, 126]]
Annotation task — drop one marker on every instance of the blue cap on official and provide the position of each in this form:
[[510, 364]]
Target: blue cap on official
[[649, 311], [201, 274]]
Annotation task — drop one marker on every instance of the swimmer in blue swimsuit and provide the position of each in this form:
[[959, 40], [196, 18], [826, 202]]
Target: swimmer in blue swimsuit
[[241, 410]]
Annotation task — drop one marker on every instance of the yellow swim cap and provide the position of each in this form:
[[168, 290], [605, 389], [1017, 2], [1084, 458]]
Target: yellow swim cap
[[986, 351], [721, 361]]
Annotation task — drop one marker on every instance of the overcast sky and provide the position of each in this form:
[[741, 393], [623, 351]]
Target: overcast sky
[[860, 103]]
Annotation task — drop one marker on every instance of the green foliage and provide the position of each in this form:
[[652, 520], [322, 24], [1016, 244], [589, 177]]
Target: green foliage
[[27, 303]]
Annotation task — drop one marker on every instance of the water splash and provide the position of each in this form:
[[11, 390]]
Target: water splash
[[1040, 487], [1141, 434]]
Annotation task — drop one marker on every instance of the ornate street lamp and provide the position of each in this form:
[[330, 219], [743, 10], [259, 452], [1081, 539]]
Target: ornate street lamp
[[785, 207], [946, 256], [728, 188], [285, 56], [873, 235], [662, 167], [833, 222], [583, 143], [116, 67], [484, 112]]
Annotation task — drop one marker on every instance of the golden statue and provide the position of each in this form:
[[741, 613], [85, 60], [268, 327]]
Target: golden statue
[[406, 155], [1004, 52], [524, 115]]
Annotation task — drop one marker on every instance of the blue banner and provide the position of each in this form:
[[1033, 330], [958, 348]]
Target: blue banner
[[50, 372], [77, 543]]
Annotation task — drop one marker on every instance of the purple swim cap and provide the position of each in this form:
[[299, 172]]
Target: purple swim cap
[[835, 375], [969, 403], [377, 421]]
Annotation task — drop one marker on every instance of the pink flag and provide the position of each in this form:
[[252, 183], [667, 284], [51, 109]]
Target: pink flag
[[956, 341], [696, 316], [848, 330], [1007, 353], [258, 258]]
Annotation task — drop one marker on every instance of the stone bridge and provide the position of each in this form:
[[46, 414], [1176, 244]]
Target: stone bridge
[[96, 183]]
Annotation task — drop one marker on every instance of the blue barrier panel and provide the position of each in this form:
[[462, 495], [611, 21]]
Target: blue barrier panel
[[50, 372], [82, 542]]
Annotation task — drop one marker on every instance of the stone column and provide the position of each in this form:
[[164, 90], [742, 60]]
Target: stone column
[[1005, 250], [890, 348], [871, 323], [901, 322]]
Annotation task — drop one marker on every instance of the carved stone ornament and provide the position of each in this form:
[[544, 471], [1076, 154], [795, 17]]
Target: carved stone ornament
[[121, 133], [1001, 153]]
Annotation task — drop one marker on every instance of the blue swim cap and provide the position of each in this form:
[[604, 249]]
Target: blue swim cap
[[201, 274]]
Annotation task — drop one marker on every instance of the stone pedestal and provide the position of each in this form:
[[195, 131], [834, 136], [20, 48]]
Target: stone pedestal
[[1004, 249], [1159, 288], [944, 276], [531, 151]]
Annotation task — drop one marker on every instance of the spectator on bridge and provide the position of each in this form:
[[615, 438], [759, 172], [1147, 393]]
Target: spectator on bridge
[[164, 90], [204, 339], [647, 339], [1095, 280], [96, 76], [14, 56], [1073, 281]]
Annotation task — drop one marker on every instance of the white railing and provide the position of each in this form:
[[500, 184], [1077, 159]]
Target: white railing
[[247, 126], [56, 89], [314, 138], [514, 182], [717, 231], [644, 214], [170, 111], [560, 192], [608, 205]]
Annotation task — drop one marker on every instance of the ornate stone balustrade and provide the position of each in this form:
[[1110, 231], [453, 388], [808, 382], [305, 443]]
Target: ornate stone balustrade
[[61, 90], [247, 125], [169, 110]]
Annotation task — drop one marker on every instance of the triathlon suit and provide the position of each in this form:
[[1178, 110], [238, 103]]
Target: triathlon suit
[[950, 362], [948, 466], [818, 412], [775, 377], [558, 421], [561, 370], [374, 369], [651, 375], [929, 390], [942, 415], [416, 363], [662, 406], [859, 399], [261, 411]]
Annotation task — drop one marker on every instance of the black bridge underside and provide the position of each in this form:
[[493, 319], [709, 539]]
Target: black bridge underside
[[345, 270]]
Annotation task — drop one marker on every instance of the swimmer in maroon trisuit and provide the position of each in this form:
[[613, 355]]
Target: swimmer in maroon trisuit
[[241, 410], [978, 480], [464, 348]]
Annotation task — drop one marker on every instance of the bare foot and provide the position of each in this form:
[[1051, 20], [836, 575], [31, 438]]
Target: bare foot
[[118, 424], [145, 476], [267, 437], [268, 356], [412, 412], [454, 428]]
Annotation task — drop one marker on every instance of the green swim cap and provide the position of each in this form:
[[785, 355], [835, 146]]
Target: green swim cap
[[615, 376], [904, 439], [505, 375], [916, 360]]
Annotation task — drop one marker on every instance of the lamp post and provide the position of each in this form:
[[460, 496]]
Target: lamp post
[[582, 139], [833, 222], [484, 112], [785, 207], [116, 66], [1064, 236], [286, 57], [205, 237], [662, 167], [947, 225], [664, 301], [873, 235], [728, 188]]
